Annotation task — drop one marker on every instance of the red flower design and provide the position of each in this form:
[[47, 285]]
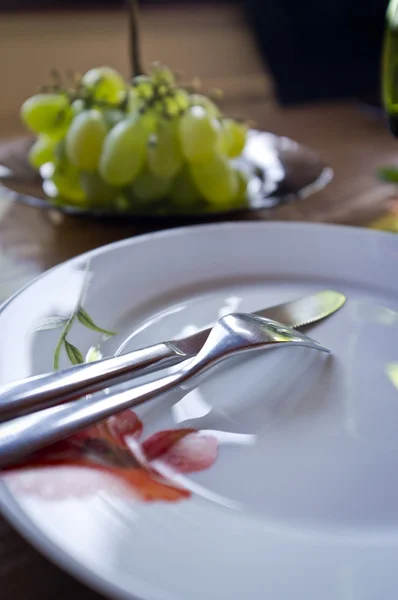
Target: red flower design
[[185, 450], [108, 449], [160, 443]]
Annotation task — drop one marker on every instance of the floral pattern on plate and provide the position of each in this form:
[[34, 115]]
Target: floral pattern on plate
[[114, 449]]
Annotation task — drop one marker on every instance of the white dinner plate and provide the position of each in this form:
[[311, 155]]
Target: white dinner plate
[[277, 477]]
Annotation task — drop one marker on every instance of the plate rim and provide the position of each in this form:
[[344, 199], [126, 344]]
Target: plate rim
[[14, 514], [182, 229]]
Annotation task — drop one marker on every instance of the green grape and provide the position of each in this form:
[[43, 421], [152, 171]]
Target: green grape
[[216, 181], [98, 192], [241, 195], [47, 113], [42, 151], [148, 187], [143, 86], [60, 152], [182, 98], [162, 75], [113, 116], [198, 135], [66, 179], [233, 137], [183, 191], [162, 90], [84, 140], [170, 107], [164, 153], [212, 109], [123, 152], [149, 120], [158, 107], [136, 106], [105, 84], [77, 107]]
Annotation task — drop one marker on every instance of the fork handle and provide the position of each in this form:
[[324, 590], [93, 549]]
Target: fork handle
[[43, 391], [25, 435]]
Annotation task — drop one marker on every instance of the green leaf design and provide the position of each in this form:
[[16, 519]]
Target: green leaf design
[[50, 323], [74, 354], [87, 321], [388, 174], [60, 343]]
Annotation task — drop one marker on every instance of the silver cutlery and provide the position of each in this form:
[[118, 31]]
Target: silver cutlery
[[233, 334], [42, 391]]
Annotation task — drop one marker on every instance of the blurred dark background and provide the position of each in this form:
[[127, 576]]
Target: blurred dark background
[[324, 50], [315, 50]]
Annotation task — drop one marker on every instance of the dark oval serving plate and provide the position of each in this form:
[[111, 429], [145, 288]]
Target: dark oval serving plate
[[280, 171]]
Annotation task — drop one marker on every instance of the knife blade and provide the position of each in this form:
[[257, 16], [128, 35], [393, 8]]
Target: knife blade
[[296, 313], [43, 391]]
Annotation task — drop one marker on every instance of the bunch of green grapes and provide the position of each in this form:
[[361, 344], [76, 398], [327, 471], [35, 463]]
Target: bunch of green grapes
[[135, 146]]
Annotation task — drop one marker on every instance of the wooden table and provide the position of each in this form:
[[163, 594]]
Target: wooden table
[[353, 142]]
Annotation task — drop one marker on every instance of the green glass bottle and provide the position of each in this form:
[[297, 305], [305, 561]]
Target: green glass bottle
[[390, 66]]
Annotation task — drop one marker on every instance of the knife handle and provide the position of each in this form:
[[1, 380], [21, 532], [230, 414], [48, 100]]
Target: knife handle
[[43, 391]]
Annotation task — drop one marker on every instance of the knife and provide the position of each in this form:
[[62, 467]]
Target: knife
[[43, 391]]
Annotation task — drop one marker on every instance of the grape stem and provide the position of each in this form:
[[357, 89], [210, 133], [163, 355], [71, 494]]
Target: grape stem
[[134, 35]]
